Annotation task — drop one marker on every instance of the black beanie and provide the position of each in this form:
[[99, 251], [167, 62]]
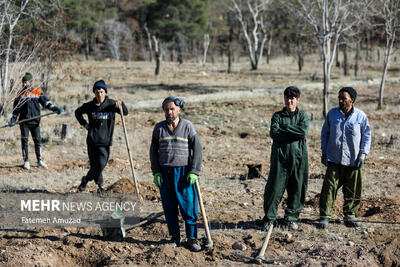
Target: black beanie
[[100, 84], [351, 91]]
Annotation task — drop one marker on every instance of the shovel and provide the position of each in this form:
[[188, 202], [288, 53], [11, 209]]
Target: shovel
[[129, 153], [30, 119]]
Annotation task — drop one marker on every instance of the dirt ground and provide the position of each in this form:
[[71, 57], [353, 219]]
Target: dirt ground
[[231, 113]]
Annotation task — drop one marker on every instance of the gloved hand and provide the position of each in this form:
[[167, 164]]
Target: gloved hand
[[157, 179], [324, 160], [360, 161], [11, 123], [191, 178], [59, 111]]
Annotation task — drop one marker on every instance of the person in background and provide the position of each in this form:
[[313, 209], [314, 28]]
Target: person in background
[[27, 105], [101, 115], [345, 142], [176, 157]]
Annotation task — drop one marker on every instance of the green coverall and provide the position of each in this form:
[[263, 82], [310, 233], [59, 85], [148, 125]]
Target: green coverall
[[289, 164]]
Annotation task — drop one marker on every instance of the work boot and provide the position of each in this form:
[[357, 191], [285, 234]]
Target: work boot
[[193, 245], [323, 223], [175, 241], [100, 191], [41, 164], [351, 222], [83, 184], [27, 166], [290, 225]]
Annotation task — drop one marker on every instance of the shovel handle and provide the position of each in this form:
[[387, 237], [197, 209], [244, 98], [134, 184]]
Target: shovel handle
[[29, 119], [203, 212], [129, 153], [265, 244]]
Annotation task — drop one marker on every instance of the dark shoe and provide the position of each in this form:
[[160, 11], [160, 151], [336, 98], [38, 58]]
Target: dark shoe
[[290, 225], [83, 184], [100, 191], [323, 223], [351, 222], [193, 245], [175, 241]]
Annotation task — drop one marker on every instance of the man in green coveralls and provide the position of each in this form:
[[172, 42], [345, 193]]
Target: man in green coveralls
[[289, 161]]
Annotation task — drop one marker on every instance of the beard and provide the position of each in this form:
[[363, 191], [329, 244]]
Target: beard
[[171, 119]]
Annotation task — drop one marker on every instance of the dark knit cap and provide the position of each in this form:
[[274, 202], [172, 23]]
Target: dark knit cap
[[292, 91], [177, 101], [100, 84], [27, 77], [351, 91]]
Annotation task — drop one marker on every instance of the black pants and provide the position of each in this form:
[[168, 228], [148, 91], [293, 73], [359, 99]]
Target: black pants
[[35, 132], [98, 157]]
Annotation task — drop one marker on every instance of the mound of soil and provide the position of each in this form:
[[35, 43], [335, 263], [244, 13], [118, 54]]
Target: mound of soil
[[122, 186]]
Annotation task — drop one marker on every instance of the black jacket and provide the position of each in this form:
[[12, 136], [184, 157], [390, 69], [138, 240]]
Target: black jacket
[[26, 105], [101, 120]]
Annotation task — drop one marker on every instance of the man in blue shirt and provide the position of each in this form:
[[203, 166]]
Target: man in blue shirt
[[345, 142]]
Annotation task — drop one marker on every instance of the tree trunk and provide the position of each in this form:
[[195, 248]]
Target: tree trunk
[[206, 44], [326, 87], [389, 46], [269, 48], [157, 55], [149, 43], [86, 45], [230, 49], [357, 57], [345, 60], [337, 60]]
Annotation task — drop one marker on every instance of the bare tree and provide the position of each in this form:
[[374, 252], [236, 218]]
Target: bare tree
[[206, 43], [10, 15], [149, 42], [390, 13], [115, 32], [330, 20], [157, 54], [252, 16], [19, 49]]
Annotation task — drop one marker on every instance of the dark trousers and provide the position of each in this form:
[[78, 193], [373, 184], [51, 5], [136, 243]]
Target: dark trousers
[[98, 157], [176, 192], [35, 132]]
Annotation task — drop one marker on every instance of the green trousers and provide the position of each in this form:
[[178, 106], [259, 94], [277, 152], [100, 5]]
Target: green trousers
[[294, 180], [336, 177]]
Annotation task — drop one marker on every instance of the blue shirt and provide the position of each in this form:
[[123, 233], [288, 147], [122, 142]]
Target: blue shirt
[[343, 139]]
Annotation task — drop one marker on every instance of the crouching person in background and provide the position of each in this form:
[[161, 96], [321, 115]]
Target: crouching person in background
[[176, 156], [101, 115]]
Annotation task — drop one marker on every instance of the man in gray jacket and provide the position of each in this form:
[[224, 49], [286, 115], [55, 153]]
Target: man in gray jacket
[[175, 155]]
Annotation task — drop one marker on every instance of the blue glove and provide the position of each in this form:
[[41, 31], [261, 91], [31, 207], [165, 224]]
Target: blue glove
[[191, 178], [11, 123], [59, 111], [157, 179]]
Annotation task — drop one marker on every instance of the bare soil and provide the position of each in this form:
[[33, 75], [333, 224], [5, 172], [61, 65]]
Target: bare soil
[[234, 133]]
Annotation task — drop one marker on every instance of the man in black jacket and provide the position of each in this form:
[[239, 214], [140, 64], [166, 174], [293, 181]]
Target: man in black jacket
[[26, 105], [101, 114]]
